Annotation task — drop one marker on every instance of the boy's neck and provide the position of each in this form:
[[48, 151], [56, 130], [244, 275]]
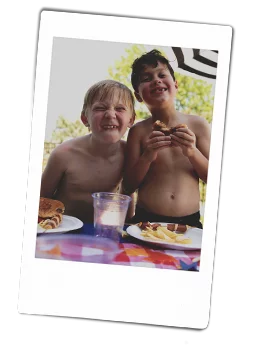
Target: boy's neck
[[167, 115], [104, 150]]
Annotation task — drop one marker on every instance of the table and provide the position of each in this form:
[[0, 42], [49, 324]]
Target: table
[[82, 245]]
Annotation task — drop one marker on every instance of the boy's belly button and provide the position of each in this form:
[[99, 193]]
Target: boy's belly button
[[172, 196]]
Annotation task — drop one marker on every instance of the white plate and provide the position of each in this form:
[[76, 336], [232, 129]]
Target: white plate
[[195, 234], [68, 223]]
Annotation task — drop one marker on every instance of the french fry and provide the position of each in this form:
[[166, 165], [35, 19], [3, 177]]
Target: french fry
[[157, 235], [160, 234], [149, 231], [164, 234], [149, 235], [169, 240], [183, 239], [168, 232]]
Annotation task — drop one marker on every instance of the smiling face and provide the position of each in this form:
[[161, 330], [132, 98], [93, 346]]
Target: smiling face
[[108, 110], [109, 118], [156, 86]]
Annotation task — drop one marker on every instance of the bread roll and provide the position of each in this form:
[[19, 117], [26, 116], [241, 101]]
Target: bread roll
[[50, 213], [48, 207], [160, 126]]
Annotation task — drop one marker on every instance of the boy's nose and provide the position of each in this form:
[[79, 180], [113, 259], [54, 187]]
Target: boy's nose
[[158, 79], [110, 113]]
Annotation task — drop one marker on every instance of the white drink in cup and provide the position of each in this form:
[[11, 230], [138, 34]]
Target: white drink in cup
[[110, 211]]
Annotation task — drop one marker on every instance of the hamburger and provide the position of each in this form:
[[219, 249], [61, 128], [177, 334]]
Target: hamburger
[[160, 126], [50, 213]]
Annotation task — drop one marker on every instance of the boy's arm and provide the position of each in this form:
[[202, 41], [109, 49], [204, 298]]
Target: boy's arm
[[195, 146], [53, 173], [137, 163], [203, 137], [131, 208], [135, 168], [200, 159]]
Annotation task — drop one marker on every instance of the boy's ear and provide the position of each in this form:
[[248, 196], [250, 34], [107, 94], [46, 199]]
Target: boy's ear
[[85, 120], [138, 97], [131, 121]]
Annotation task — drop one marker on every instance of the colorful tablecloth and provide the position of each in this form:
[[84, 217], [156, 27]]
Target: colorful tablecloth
[[128, 251]]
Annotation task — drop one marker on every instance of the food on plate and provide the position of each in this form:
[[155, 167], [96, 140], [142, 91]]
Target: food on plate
[[182, 239], [158, 232], [160, 126], [174, 227], [145, 225], [177, 227], [50, 213]]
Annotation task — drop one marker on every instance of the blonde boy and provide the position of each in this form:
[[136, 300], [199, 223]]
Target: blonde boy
[[93, 162]]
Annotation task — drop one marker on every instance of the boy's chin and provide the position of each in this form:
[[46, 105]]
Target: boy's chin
[[159, 102], [161, 98], [111, 137]]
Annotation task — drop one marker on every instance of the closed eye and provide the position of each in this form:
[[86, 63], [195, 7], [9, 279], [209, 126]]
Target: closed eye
[[145, 79], [120, 109], [99, 108]]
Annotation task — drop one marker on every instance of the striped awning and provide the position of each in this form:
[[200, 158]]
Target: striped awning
[[199, 62]]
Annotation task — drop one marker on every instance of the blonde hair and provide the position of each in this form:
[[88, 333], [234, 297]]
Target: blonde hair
[[106, 89]]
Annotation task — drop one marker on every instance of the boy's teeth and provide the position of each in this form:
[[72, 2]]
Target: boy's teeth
[[110, 126]]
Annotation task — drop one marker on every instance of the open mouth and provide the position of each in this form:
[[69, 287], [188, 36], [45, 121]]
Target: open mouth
[[110, 127], [159, 90]]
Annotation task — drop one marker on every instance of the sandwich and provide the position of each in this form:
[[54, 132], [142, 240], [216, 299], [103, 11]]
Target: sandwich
[[160, 126], [50, 213]]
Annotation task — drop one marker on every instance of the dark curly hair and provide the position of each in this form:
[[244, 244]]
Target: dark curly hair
[[151, 58]]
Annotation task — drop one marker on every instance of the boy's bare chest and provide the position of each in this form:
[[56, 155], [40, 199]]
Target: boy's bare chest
[[94, 173], [171, 159]]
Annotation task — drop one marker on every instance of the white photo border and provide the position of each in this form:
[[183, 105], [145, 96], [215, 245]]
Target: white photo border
[[121, 293]]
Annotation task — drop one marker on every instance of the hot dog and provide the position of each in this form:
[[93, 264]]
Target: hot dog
[[181, 228], [177, 227], [50, 213]]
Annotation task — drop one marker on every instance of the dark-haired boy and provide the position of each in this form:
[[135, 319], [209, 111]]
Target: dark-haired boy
[[165, 169]]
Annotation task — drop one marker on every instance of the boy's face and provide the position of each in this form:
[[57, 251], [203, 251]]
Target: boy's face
[[156, 87], [109, 119]]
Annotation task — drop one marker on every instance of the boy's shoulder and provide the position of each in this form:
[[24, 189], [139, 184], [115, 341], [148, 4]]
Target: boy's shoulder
[[197, 124], [142, 125], [69, 145], [194, 120]]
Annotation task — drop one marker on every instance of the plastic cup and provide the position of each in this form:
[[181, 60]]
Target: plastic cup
[[110, 211]]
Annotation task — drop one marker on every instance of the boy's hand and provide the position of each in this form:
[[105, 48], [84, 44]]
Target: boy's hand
[[186, 139], [155, 143]]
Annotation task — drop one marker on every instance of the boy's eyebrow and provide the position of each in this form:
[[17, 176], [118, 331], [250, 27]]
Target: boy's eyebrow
[[105, 104], [121, 104], [161, 69], [98, 103], [143, 73]]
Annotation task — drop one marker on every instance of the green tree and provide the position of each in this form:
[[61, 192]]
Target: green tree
[[66, 129], [194, 96], [121, 71]]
